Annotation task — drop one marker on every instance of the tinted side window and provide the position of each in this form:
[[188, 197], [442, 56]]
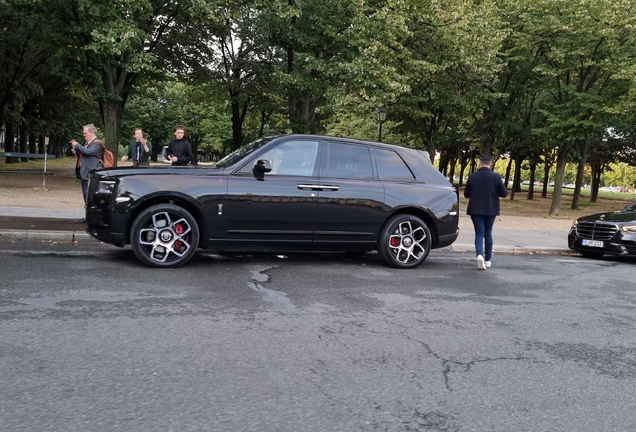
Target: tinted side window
[[391, 166], [293, 158], [348, 161]]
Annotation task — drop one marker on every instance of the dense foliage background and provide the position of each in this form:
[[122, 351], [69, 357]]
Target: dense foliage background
[[546, 86]]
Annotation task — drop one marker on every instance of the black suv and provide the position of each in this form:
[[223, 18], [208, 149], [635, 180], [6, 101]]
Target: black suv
[[291, 193]]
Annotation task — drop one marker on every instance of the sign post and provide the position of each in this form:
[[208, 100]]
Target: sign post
[[46, 144]]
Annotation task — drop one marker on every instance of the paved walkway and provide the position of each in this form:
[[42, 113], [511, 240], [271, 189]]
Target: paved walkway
[[60, 225]]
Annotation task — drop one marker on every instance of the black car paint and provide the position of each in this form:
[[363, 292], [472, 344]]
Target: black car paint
[[236, 211], [620, 242]]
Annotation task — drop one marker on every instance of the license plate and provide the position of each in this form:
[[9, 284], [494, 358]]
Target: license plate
[[592, 243]]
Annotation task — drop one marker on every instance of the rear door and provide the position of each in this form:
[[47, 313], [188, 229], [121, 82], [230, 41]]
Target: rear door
[[350, 208]]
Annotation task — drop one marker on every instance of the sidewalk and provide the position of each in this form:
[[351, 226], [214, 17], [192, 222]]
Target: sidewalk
[[60, 226]]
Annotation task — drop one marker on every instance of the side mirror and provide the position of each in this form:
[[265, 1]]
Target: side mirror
[[261, 167]]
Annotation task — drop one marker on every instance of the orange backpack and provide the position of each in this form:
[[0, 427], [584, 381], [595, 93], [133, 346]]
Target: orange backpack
[[108, 158]]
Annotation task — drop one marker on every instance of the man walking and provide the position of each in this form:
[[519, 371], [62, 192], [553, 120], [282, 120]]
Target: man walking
[[483, 189]]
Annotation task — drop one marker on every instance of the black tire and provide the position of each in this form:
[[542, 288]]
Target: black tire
[[164, 235], [405, 241], [592, 255]]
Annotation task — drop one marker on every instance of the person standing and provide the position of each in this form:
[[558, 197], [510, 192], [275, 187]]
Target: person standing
[[89, 157], [179, 149], [483, 190], [138, 150]]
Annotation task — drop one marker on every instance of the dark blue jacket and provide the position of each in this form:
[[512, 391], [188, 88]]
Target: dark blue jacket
[[483, 189]]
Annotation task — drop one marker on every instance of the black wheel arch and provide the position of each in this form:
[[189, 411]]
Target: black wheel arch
[[180, 200]]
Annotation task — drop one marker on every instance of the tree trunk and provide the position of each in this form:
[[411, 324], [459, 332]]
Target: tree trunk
[[562, 159], [508, 168], [597, 170], [516, 186], [237, 124], [290, 69], [451, 170], [517, 180], [111, 115], [32, 143], [462, 168], [9, 140], [195, 151], [24, 139], [546, 180], [533, 168], [579, 175], [42, 144]]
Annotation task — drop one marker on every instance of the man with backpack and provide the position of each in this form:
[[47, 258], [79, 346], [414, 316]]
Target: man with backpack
[[89, 157]]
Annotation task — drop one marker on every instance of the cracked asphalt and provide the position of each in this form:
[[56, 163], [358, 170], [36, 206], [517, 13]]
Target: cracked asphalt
[[90, 340]]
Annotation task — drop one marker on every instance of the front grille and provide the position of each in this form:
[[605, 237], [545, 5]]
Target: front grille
[[596, 230]]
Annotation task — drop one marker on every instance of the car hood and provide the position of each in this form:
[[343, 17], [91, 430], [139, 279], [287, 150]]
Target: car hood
[[154, 170], [619, 216]]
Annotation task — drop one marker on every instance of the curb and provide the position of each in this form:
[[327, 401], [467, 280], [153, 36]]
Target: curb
[[53, 236], [75, 236], [462, 247]]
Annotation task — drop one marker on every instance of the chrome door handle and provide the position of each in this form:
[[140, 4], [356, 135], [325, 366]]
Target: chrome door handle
[[309, 186], [318, 187]]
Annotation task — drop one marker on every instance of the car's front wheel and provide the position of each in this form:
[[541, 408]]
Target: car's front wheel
[[405, 241], [164, 235]]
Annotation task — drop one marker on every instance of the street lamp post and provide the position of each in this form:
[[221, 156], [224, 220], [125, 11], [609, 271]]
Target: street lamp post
[[380, 116]]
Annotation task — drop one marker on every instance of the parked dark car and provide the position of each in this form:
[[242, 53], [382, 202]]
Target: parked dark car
[[605, 233], [292, 193]]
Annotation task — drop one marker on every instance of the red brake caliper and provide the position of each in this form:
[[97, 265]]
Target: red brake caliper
[[395, 242], [178, 244]]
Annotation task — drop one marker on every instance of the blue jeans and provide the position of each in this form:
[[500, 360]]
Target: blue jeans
[[483, 234]]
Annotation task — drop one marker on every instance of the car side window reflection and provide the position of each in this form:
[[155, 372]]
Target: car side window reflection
[[292, 158], [348, 162], [391, 167]]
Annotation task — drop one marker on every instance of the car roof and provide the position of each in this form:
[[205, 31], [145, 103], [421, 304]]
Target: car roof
[[343, 139]]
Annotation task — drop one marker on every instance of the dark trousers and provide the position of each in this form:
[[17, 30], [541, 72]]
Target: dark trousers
[[483, 235], [85, 189]]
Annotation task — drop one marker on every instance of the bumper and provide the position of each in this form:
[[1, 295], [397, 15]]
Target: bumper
[[107, 227], [447, 240], [103, 234], [609, 247]]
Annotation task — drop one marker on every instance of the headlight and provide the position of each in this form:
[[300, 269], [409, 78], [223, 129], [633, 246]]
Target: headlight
[[106, 187], [629, 228]]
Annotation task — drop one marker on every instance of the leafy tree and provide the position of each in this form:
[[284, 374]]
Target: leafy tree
[[110, 44], [585, 47]]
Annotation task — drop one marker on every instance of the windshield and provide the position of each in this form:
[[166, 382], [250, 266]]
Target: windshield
[[239, 154], [630, 208]]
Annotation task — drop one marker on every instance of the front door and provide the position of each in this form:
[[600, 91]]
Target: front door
[[276, 211]]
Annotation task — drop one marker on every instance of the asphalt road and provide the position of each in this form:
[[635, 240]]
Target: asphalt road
[[90, 340]]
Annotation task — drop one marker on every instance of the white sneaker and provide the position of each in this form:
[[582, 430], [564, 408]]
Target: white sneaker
[[481, 265], [487, 264]]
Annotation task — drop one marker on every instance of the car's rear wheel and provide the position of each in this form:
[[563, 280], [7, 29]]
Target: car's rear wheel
[[164, 235], [405, 241]]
